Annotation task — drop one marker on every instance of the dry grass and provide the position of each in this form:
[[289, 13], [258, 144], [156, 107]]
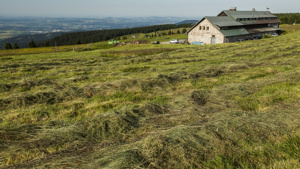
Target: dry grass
[[153, 106]]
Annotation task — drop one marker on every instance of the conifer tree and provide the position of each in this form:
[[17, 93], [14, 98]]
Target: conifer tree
[[178, 31], [16, 46], [7, 46], [78, 42], [32, 44]]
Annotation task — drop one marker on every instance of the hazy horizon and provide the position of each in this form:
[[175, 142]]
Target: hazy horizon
[[92, 17], [136, 8]]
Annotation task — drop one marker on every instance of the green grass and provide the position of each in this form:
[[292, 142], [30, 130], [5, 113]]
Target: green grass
[[152, 106], [161, 36]]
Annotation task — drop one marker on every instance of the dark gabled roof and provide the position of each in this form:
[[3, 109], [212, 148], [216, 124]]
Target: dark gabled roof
[[223, 21], [248, 14], [218, 21]]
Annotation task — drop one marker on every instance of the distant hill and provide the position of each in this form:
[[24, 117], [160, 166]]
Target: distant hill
[[28, 28], [187, 21], [84, 37], [103, 35], [16, 26]]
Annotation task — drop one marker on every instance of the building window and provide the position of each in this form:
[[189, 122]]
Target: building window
[[203, 27], [207, 28], [224, 27], [200, 27]]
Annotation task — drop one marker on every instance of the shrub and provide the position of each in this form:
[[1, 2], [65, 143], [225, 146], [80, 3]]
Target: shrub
[[267, 36]]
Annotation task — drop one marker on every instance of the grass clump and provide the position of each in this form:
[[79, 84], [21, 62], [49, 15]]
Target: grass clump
[[269, 95], [249, 103], [135, 69], [200, 97], [113, 125], [177, 148]]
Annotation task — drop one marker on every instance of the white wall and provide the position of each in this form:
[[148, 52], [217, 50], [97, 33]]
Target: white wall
[[205, 36]]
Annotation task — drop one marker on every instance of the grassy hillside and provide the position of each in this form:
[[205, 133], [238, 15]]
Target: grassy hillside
[[154, 106], [161, 37], [103, 35]]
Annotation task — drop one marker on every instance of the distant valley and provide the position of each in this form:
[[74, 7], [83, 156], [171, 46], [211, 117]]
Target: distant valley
[[10, 27], [23, 30]]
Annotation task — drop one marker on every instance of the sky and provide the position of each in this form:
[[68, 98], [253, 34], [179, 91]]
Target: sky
[[138, 8]]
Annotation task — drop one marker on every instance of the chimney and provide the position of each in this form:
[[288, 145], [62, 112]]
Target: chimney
[[253, 9], [233, 9]]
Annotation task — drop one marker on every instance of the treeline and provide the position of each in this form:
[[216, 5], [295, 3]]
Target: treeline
[[289, 18], [26, 40], [16, 46], [103, 35]]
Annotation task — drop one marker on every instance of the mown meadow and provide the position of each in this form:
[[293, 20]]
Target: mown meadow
[[154, 106]]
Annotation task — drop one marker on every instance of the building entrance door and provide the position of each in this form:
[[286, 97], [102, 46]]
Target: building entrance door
[[213, 39]]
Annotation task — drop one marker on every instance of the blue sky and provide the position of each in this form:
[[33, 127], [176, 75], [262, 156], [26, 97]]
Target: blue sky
[[131, 8]]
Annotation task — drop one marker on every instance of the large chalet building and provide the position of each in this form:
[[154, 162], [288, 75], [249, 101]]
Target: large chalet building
[[232, 25]]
